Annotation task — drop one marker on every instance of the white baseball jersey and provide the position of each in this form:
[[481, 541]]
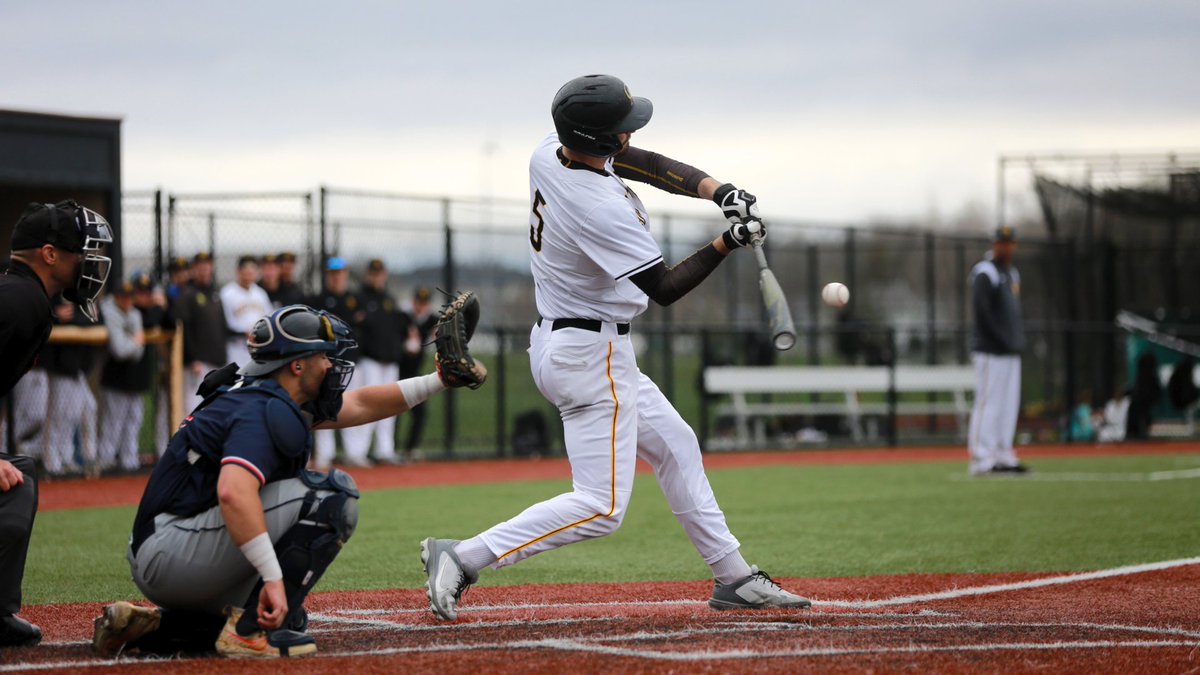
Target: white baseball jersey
[[244, 306], [589, 234]]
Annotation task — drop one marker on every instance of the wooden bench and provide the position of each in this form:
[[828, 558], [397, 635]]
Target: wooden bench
[[848, 382]]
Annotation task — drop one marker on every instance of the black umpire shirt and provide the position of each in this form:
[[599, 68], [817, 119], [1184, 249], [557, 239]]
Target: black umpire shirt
[[25, 321]]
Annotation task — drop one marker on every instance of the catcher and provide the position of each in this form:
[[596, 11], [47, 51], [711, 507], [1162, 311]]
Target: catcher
[[232, 533]]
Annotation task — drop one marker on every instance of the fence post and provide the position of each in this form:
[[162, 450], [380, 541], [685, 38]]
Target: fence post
[[1069, 271], [931, 316], [501, 401], [448, 280], [212, 244], [158, 236], [171, 251], [891, 392], [322, 216], [960, 266]]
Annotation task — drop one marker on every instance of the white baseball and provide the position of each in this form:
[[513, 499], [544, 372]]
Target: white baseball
[[835, 294]]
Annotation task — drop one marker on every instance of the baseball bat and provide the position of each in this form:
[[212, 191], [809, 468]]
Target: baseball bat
[[779, 317]]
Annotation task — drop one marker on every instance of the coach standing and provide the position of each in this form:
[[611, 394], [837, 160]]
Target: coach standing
[[996, 345], [56, 248]]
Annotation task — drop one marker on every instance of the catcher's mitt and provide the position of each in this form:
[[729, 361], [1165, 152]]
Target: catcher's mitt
[[455, 326]]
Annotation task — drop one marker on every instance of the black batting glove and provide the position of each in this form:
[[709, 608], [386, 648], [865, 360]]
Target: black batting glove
[[741, 234], [738, 206]]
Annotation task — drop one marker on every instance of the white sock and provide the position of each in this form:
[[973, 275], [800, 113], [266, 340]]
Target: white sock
[[475, 555], [731, 568]]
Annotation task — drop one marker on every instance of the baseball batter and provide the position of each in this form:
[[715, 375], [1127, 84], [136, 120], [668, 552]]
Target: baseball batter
[[595, 266]]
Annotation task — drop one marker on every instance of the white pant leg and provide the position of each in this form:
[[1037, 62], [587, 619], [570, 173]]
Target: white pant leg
[[357, 440], [385, 429], [236, 351], [670, 447], [324, 448], [128, 447], [69, 403], [593, 380], [162, 406], [110, 426], [191, 382], [981, 435], [1010, 401]]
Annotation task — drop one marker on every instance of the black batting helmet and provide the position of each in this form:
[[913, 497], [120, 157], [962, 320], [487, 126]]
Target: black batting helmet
[[590, 111]]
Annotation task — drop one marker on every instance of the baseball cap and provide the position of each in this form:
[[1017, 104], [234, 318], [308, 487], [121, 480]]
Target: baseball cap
[[247, 260], [376, 265], [287, 256], [142, 282], [178, 263], [422, 294], [55, 224], [335, 264], [269, 258], [202, 256], [1005, 233], [124, 288]]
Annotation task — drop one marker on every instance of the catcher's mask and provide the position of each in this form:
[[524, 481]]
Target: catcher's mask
[[297, 331], [77, 229], [590, 111]]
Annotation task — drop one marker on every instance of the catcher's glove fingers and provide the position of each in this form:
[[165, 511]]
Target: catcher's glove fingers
[[455, 326], [462, 375]]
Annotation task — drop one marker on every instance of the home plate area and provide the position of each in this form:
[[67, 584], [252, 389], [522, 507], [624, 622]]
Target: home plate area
[[1131, 618]]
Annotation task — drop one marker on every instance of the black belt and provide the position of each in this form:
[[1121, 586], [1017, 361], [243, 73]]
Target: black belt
[[593, 325]]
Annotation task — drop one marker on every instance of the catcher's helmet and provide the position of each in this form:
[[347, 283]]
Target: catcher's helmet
[[294, 332], [590, 111]]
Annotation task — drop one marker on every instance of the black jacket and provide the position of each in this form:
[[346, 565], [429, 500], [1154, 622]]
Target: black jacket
[[25, 321]]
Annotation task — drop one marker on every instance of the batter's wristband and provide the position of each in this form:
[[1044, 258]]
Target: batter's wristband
[[417, 390], [261, 553]]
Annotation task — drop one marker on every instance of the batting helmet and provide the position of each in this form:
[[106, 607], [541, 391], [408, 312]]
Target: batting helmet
[[590, 111], [293, 332]]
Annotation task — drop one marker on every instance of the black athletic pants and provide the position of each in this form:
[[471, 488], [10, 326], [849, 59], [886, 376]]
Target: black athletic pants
[[18, 506]]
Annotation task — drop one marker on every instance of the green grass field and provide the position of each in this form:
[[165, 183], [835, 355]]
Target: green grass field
[[793, 521]]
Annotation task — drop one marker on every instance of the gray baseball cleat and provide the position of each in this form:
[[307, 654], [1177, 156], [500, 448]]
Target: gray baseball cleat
[[447, 580], [757, 591]]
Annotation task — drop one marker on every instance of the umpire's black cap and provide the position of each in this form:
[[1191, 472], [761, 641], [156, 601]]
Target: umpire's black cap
[[54, 224]]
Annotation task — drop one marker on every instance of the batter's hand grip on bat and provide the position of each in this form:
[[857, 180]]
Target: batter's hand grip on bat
[[779, 316]]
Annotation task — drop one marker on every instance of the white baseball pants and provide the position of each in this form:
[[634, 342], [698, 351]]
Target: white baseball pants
[[369, 372], [119, 429], [994, 414], [612, 414], [71, 406]]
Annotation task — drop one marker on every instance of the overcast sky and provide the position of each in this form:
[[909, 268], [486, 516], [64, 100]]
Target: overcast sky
[[836, 111]]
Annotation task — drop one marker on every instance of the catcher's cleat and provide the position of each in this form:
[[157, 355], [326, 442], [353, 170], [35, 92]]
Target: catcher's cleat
[[757, 591], [282, 643], [447, 580], [121, 623]]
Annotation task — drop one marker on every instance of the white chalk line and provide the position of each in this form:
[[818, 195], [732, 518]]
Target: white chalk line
[[1086, 477], [1015, 586]]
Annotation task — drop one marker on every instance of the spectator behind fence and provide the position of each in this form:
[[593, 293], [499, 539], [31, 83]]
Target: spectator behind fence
[[123, 380], [203, 328], [56, 248], [178, 274], [289, 292], [268, 277], [996, 345], [245, 302], [339, 301], [71, 400], [381, 339], [421, 319]]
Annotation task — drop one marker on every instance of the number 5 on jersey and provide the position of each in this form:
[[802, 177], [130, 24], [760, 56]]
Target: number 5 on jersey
[[535, 229]]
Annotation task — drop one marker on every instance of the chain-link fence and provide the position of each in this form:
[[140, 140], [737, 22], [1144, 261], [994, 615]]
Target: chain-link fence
[[909, 300]]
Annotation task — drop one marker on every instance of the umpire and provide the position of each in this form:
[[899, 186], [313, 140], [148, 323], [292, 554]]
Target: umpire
[[56, 248]]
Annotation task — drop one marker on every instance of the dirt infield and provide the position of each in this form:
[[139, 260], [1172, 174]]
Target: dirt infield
[[1136, 619]]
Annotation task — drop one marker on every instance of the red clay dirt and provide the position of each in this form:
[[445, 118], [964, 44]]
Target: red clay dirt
[[1134, 621]]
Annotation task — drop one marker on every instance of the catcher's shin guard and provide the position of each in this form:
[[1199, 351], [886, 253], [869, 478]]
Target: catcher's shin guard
[[310, 546]]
